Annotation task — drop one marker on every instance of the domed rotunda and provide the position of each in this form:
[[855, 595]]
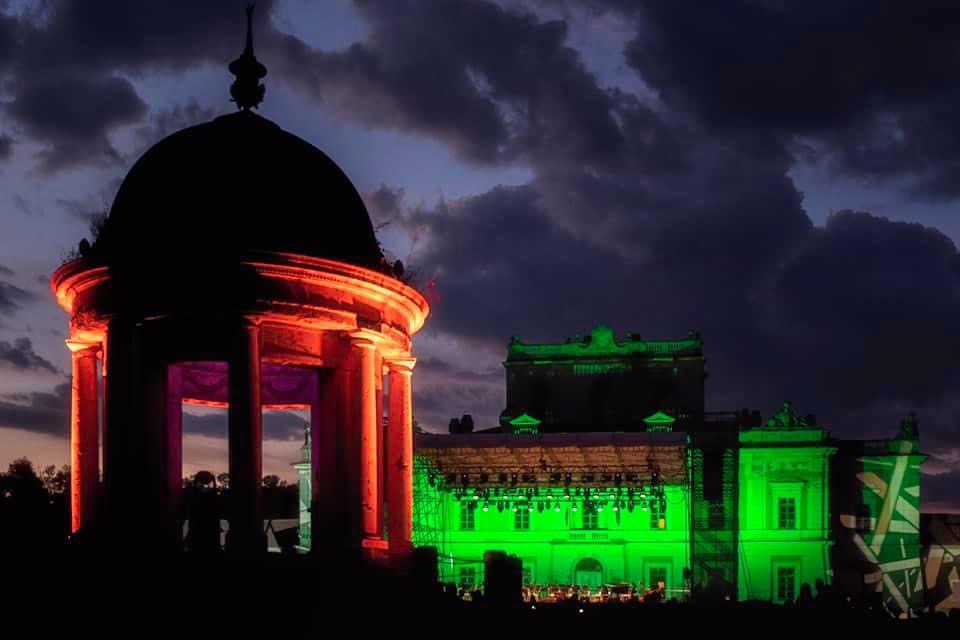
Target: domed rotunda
[[238, 268]]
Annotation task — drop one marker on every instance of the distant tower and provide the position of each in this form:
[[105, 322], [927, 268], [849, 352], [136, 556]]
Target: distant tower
[[303, 476]]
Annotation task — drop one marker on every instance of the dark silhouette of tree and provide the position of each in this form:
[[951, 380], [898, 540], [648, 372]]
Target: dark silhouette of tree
[[271, 481], [224, 480], [56, 481]]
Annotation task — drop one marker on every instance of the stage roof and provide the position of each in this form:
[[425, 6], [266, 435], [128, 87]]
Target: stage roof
[[546, 454]]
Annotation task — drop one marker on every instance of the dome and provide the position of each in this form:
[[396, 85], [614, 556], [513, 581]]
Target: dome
[[232, 186]]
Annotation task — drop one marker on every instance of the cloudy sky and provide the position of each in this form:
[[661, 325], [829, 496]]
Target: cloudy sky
[[783, 176]]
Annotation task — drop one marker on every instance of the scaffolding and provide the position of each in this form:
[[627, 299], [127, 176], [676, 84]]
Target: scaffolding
[[713, 465], [428, 520]]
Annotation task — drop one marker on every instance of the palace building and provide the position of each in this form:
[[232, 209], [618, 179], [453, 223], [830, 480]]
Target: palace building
[[606, 469]]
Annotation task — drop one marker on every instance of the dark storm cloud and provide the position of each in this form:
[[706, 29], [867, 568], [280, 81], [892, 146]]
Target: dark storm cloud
[[859, 313], [69, 62], [12, 297], [72, 115], [20, 356], [277, 425], [492, 83], [876, 81], [39, 411], [6, 147]]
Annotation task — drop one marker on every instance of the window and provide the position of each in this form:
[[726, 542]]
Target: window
[[786, 513], [863, 522], [467, 517], [521, 519], [468, 576], [657, 512], [657, 575], [786, 583], [591, 519]]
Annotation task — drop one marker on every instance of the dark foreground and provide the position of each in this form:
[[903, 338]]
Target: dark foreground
[[73, 596]]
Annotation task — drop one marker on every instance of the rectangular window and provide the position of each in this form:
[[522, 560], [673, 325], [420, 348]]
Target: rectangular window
[[657, 513], [657, 575], [521, 518], [786, 583], [591, 519], [468, 576], [786, 513], [467, 517]]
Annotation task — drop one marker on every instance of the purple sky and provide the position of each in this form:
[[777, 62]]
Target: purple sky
[[782, 178]]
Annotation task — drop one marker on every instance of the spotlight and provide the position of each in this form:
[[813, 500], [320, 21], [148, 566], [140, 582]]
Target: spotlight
[[486, 507], [530, 508], [557, 508], [574, 507], [616, 507], [644, 506], [599, 507], [500, 507], [515, 508]]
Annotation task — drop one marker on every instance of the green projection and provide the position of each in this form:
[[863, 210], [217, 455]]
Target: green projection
[[564, 535], [885, 525], [783, 511], [601, 343]]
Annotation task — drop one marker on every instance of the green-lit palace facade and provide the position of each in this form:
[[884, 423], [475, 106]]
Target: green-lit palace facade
[[605, 468]]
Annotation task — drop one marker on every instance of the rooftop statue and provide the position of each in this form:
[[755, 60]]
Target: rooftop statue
[[787, 417]]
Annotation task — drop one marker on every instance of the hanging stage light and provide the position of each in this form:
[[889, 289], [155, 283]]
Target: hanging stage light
[[557, 508], [486, 507], [644, 506], [515, 507], [574, 507], [539, 507], [599, 507], [500, 507], [616, 506], [630, 506], [530, 508]]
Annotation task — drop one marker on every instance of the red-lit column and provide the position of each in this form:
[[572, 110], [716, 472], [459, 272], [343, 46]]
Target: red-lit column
[[245, 432], [400, 455], [84, 434], [367, 428]]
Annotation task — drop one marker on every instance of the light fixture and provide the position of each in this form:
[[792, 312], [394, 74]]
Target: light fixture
[[486, 507]]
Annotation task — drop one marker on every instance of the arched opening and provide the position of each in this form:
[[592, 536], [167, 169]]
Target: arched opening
[[589, 573]]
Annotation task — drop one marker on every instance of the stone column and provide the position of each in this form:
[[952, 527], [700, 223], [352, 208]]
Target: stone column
[[123, 509], [400, 455], [326, 500], [174, 436], [84, 434], [367, 427], [245, 432]]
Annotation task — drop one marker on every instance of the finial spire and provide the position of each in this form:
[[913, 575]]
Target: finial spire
[[246, 90]]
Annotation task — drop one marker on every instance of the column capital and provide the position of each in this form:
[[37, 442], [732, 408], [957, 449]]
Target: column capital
[[83, 347], [365, 338], [400, 364]]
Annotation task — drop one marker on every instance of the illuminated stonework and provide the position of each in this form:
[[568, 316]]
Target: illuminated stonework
[[298, 332]]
